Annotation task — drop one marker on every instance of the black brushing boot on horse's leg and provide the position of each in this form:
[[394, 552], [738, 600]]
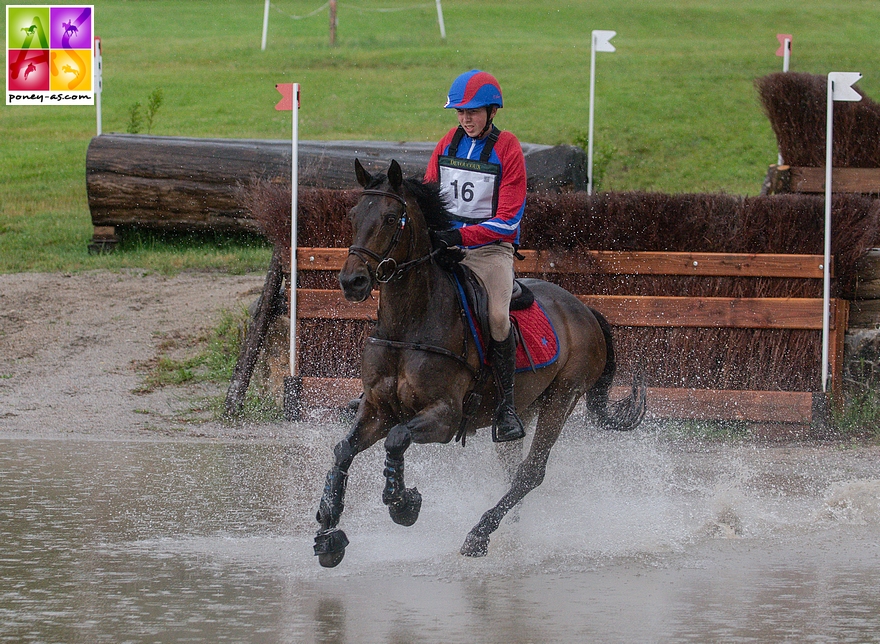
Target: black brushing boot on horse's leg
[[502, 357], [330, 542], [403, 503]]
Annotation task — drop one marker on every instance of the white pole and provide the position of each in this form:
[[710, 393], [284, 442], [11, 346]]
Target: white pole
[[440, 20], [786, 57], [99, 82], [826, 272], [600, 40], [592, 103], [265, 25], [786, 54], [840, 88], [294, 189]]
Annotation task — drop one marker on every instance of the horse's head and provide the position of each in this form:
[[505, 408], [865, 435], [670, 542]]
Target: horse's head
[[385, 235]]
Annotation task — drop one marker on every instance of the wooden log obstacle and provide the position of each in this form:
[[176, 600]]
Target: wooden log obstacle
[[625, 311], [189, 184]]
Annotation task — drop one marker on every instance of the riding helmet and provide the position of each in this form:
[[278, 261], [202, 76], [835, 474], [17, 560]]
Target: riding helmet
[[474, 89]]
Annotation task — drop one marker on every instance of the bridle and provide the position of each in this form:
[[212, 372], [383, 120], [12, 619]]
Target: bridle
[[387, 267]]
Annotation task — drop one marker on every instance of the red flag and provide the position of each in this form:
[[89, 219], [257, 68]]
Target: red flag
[[286, 102], [782, 38]]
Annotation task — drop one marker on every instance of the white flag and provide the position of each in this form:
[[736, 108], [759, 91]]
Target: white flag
[[602, 40], [842, 86]]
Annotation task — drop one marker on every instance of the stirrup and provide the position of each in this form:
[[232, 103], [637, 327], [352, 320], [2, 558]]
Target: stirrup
[[507, 426]]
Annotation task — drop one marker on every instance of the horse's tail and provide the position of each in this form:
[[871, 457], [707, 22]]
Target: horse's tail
[[623, 415]]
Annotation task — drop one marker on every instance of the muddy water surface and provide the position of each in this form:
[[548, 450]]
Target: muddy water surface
[[631, 538]]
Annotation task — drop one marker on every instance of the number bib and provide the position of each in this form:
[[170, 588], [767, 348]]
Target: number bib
[[470, 188]]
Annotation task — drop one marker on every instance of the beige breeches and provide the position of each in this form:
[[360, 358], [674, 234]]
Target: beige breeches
[[493, 266]]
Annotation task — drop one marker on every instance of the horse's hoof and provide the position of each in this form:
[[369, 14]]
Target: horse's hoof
[[331, 560], [406, 512], [475, 546], [330, 547]]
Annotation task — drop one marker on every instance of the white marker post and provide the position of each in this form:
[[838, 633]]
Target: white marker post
[[440, 20], [265, 25], [99, 81], [600, 41], [784, 51], [293, 383], [840, 88]]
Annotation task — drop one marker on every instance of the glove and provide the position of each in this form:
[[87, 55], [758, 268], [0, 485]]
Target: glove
[[447, 242], [446, 238]]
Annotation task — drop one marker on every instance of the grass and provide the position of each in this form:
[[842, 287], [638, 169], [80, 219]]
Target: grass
[[676, 108], [860, 416], [208, 358]]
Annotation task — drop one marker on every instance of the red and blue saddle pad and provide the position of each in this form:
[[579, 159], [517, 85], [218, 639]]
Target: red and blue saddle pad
[[538, 344]]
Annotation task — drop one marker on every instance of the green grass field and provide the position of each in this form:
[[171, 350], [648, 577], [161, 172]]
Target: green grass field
[[676, 109]]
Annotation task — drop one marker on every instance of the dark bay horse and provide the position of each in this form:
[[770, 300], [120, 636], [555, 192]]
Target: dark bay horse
[[421, 362]]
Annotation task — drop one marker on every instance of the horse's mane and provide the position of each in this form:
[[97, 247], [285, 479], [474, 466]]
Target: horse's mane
[[428, 196], [431, 202]]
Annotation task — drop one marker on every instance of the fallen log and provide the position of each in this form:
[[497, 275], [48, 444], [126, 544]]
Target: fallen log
[[187, 184]]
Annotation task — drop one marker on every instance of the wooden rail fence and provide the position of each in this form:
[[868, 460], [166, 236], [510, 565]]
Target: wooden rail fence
[[782, 179], [643, 311]]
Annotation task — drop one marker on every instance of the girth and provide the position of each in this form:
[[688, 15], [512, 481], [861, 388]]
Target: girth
[[418, 346]]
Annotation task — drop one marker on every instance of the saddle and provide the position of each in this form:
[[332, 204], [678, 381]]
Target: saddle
[[537, 344]]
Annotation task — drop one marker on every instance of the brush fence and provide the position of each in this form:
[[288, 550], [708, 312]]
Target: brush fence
[[628, 312]]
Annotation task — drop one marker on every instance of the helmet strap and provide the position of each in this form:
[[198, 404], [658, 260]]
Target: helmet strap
[[488, 125]]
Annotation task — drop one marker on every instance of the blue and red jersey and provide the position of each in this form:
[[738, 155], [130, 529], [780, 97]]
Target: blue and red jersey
[[507, 153]]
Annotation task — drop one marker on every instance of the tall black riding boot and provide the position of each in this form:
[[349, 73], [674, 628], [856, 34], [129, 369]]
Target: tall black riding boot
[[502, 358]]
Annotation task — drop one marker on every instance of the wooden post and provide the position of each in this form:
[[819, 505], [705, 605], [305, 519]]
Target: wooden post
[[333, 23], [256, 335], [104, 240], [781, 182]]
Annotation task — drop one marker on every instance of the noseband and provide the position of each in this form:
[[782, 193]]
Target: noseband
[[387, 267]]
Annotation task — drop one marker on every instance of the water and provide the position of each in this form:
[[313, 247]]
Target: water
[[631, 538]]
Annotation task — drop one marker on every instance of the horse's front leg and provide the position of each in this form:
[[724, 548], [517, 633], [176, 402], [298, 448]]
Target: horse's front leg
[[403, 504], [330, 541], [435, 424]]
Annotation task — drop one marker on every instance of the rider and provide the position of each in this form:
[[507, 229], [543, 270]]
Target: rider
[[482, 173]]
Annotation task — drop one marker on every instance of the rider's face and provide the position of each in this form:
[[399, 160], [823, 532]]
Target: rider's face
[[473, 120]]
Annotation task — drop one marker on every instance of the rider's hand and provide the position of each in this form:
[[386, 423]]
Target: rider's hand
[[446, 244], [446, 238]]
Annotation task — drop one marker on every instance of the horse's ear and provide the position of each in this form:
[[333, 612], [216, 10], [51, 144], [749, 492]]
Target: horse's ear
[[363, 176], [395, 175]]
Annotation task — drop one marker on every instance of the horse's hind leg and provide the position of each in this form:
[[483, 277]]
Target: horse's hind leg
[[510, 453], [554, 411]]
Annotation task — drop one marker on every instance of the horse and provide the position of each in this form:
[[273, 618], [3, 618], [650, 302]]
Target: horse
[[420, 363]]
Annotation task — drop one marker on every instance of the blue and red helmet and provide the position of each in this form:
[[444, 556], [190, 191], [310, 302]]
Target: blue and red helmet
[[474, 89]]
